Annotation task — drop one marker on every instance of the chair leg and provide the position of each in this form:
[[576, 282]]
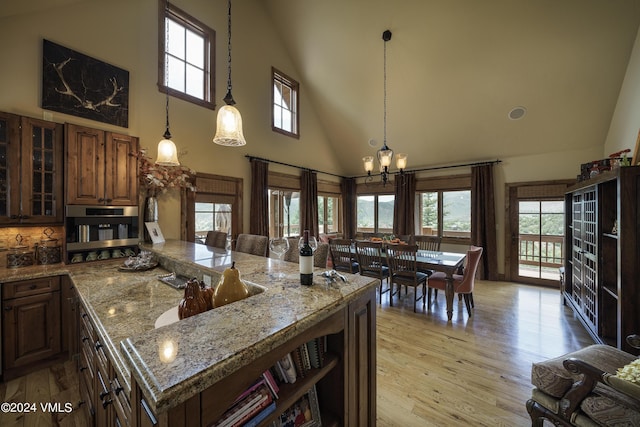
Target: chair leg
[[429, 296], [467, 303], [471, 298], [424, 297]]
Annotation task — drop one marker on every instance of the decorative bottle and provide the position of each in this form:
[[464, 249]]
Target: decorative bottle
[[306, 261]]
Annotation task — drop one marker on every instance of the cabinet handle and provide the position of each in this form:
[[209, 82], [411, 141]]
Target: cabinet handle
[[80, 403], [8, 308], [107, 403], [109, 200], [33, 286], [24, 216], [98, 345], [83, 368], [118, 390], [84, 315], [101, 199], [14, 216], [85, 339], [103, 394]]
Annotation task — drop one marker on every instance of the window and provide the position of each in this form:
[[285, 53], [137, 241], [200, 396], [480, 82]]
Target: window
[[211, 216], [445, 213], [186, 52], [284, 117], [375, 213], [284, 213], [328, 214]]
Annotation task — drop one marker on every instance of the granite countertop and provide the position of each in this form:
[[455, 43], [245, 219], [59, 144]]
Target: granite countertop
[[176, 361]]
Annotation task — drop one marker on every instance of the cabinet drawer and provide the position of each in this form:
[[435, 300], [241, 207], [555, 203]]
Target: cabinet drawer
[[86, 401], [121, 402], [25, 288], [86, 327], [87, 370]]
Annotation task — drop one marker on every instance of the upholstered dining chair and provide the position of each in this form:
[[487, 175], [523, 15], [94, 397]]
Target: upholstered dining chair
[[320, 255], [216, 239], [341, 256], [403, 271], [371, 263], [252, 244], [462, 284]]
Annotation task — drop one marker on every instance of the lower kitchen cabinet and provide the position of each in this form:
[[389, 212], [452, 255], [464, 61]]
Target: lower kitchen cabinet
[[31, 323]]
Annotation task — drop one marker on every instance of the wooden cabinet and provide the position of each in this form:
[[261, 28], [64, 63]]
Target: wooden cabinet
[[31, 323], [103, 398], [101, 167], [345, 384], [603, 249], [31, 178]]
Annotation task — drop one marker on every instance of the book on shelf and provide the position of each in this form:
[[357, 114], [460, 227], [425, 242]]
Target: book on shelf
[[261, 415], [247, 408], [271, 383], [296, 355], [288, 368]]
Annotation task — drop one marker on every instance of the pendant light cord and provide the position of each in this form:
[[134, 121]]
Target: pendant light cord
[[167, 134], [228, 99], [384, 77]]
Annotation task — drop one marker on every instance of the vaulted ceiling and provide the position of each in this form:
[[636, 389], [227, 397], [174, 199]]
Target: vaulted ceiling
[[455, 69]]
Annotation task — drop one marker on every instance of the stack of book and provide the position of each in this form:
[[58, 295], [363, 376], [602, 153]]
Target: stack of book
[[258, 401]]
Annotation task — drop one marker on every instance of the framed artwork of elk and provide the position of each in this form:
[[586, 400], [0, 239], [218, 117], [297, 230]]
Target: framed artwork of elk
[[79, 85]]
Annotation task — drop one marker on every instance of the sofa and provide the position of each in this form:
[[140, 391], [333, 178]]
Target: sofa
[[581, 388]]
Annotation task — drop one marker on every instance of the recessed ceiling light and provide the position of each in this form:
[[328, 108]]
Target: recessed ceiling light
[[373, 142], [517, 113]]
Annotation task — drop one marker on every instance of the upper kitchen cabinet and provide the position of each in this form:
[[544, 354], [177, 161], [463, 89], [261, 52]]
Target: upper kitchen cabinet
[[31, 178], [101, 167]]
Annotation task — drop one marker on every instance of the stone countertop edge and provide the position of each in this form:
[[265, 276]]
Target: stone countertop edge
[[200, 363]]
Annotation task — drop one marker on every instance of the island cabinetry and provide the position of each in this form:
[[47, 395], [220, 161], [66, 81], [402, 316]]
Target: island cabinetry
[[31, 178], [31, 322], [602, 258], [345, 384], [101, 167], [104, 399]]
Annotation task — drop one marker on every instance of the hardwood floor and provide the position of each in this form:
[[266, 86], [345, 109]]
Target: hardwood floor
[[472, 371]]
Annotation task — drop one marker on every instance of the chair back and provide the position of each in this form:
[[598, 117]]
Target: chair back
[[293, 254], [369, 255], [402, 261], [428, 243], [252, 244], [409, 239], [341, 256], [468, 278], [320, 255], [216, 239]]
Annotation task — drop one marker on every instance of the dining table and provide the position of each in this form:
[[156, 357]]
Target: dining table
[[448, 263]]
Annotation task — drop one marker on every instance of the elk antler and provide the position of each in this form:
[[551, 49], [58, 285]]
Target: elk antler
[[86, 103]]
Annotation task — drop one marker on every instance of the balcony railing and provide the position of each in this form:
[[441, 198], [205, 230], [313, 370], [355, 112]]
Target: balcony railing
[[545, 250]]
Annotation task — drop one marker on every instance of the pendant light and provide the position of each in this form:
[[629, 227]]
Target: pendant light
[[167, 151], [229, 122], [385, 154]]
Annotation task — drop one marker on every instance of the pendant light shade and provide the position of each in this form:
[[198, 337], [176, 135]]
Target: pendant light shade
[[229, 122], [167, 153], [229, 127]]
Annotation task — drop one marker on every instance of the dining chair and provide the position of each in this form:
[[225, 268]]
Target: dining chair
[[341, 256], [462, 283], [252, 244], [216, 239], [429, 244], [320, 255], [403, 271], [409, 239], [371, 264]]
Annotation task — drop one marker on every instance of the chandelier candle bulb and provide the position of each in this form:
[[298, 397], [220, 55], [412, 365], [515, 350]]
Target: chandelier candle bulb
[[368, 163], [401, 161]]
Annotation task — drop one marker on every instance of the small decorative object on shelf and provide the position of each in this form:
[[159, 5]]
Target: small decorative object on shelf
[[614, 229], [620, 158], [230, 288]]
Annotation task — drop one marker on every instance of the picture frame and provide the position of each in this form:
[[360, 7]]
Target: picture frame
[[305, 412], [636, 152], [154, 232], [79, 85]]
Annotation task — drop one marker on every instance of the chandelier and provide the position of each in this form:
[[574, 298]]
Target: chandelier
[[385, 154]]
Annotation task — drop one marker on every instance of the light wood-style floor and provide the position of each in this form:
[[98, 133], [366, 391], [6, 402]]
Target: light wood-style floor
[[474, 371]]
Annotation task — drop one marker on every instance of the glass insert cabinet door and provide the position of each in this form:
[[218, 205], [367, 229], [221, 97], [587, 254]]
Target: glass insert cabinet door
[[31, 178]]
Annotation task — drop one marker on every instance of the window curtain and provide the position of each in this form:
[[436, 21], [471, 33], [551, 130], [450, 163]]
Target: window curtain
[[259, 222], [404, 220], [309, 202], [349, 199], [483, 220]]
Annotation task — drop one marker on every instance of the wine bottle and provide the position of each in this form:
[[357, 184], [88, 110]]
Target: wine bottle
[[306, 261]]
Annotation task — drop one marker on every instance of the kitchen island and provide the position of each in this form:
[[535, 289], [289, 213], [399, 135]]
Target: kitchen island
[[188, 372]]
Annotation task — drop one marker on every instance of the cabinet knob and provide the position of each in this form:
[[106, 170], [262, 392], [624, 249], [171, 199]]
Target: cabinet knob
[[8, 308], [98, 345], [118, 390], [85, 339], [106, 403], [33, 286], [83, 368], [101, 199], [108, 200], [14, 216], [103, 394]]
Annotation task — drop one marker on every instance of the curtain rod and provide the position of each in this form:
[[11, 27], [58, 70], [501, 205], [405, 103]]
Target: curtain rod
[[488, 162]]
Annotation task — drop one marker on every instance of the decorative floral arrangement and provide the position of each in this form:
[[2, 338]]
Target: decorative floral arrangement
[[623, 155], [630, 372], [158, 179]]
